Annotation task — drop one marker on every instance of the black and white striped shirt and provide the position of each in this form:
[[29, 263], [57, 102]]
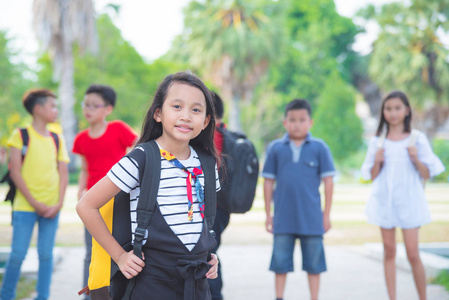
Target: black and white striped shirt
[[171, 197]]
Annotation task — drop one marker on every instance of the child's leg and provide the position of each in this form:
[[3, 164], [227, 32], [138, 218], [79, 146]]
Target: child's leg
[[279, 281], [23, 224], [314, 285], [45, 245], [282, 260], [389, 242], [411, 246], [87, 259], [313, 261]]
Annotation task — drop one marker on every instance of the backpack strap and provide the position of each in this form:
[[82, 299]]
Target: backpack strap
[[149, 187], [210, 193], [413, 138], [56, 140], [147, 201], [25, 140], [381, 139]]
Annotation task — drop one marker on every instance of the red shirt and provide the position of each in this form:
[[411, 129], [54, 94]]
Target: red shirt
[[103, 152]]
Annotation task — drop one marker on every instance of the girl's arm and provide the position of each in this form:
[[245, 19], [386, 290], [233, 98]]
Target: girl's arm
[[422, 168], [15, 167], [378, 163], [268, 196], [88, 210]]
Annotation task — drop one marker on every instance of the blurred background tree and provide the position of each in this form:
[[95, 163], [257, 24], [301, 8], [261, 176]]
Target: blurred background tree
[[258, 55], [59, 25], [13, 84], [410, 54], [232, 43]]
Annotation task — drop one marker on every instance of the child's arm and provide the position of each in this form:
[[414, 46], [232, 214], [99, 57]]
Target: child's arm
[[268, 197], [88, 210], [15, 167], [82, 180], [63, 182], [378, 163], [422, 168], [328, 192]]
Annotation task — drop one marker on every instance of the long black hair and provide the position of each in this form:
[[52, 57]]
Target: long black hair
[[408, 119], [151, 129]]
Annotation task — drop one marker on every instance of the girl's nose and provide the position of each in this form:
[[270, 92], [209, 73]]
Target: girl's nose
[[186, 115]]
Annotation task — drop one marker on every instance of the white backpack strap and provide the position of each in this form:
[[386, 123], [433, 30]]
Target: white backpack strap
[[381, 140], [413, 138]]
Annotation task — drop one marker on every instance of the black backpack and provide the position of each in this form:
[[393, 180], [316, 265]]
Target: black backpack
[[238, 173], [150, 159], [26, 140]]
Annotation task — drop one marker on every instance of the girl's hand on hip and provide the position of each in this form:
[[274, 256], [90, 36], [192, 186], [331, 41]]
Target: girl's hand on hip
[[130, 265], [213, 271]]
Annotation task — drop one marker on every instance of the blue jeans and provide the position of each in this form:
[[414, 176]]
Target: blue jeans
[[23, 224]]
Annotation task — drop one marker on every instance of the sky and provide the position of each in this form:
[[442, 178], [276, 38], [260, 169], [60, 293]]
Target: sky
[[149, 25]]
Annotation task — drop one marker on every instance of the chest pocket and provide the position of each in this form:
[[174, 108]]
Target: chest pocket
[[311, 165]]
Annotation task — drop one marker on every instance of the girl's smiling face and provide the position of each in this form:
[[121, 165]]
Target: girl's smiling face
[[183, 114]]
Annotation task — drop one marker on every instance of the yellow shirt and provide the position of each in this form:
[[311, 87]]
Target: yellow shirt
[[39, 169]]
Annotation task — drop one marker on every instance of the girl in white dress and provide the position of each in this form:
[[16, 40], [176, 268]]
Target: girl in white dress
[[399, 163]]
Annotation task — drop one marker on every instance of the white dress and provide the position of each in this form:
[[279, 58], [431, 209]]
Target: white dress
[[397, 197]]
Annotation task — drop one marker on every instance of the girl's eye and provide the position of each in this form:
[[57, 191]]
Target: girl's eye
[[197, 110], [177, 106]]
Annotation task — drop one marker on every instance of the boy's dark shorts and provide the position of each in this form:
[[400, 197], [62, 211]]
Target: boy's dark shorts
[[313, 258]]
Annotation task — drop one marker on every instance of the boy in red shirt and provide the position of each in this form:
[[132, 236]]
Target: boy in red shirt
[[100, 146]]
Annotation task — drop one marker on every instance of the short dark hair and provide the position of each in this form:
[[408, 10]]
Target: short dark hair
[[218, 103], [36, 96], [298, 104], [106, 92]]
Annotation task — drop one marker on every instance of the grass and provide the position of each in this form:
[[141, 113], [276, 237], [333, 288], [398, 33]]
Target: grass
[[443, 279], [25, 286]]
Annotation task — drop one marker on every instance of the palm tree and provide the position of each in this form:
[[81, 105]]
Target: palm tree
[[410, 54], [233, 43], [58, 25]]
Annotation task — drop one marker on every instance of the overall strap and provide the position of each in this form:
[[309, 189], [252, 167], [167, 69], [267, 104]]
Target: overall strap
[[149, 187], [210, 193]]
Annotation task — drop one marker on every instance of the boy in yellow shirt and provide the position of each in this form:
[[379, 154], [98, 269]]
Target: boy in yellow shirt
[[41, 178]]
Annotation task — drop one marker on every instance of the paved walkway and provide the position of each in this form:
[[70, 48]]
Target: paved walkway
[[351, 275]]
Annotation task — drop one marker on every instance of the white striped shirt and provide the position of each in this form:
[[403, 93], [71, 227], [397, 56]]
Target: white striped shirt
[[171, 197]]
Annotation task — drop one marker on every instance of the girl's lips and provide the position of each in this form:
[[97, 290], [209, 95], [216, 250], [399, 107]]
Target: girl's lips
[[183, 128]]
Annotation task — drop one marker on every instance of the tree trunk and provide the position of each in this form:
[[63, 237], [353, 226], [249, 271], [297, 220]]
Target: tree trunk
[[234, 114], [67, 100]]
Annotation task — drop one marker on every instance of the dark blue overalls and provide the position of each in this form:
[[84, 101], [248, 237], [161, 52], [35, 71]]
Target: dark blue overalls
[[171, 271]]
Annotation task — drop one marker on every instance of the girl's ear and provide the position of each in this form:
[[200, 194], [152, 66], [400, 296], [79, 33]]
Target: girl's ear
[[206, 121], [157, 115]]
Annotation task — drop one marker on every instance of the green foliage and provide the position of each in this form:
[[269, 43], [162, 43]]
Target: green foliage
[[410, 53], [25, 287], [335, 120], [119, 65], [441, 149], [443, 279], [319, 45], [262, 117], [13, 84]]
